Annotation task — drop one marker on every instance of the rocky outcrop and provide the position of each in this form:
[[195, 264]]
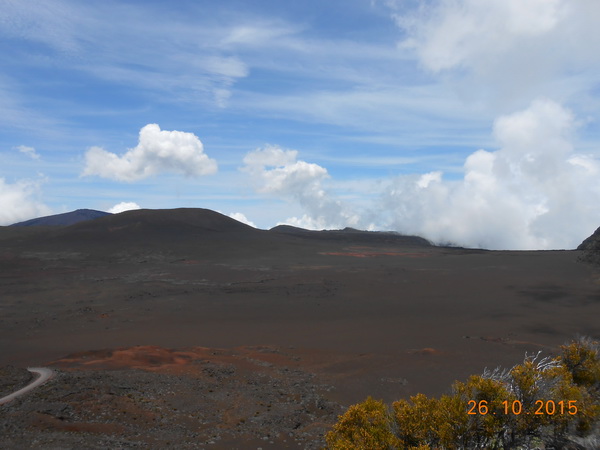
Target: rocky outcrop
[[591, 248]]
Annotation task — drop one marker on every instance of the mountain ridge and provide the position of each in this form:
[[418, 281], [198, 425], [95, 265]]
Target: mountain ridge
[[63, 219]]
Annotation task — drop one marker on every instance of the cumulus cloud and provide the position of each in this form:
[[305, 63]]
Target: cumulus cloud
[[278, 172], [533, 192], [124, 206], [157, 151], [29, 151], [20, 201], [240, 217]]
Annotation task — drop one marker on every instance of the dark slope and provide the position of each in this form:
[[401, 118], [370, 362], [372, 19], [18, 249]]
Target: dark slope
[[182, 232], [591, 248], [164, 220], [353, 235], [191, 233], [157, 229], [65, 219]]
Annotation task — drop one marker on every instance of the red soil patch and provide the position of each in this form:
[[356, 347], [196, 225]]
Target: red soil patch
[[158, 359], [147, 357], [48, 422], [367, 252], [425, 351]]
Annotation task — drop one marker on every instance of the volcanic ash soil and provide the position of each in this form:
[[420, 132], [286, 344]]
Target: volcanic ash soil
[[150, 397]]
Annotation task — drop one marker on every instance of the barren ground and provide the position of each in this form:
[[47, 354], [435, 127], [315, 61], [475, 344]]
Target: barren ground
[[260, 341]]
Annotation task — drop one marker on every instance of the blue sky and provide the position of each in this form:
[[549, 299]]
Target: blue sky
[[463, 121]]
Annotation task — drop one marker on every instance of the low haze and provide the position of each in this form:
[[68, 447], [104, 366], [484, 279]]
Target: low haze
[[466, 123]]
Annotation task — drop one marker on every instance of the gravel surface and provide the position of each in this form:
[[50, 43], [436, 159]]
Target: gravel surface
[[239, 404]]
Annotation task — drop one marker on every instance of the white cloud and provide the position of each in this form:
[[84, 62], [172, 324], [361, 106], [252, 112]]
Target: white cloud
[[504, 48], [227, 67], [157, 151], [240, 217], [470, 33], [49, 23], [308, 223], [278, 172], [29, 151], [19, 201], [532, 193], [124, 206], [253, 34]]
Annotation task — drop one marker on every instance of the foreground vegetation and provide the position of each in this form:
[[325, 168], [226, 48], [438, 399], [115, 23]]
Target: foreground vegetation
[[549, 402]]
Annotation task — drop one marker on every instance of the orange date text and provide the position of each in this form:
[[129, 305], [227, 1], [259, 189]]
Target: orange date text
[[541, 407]]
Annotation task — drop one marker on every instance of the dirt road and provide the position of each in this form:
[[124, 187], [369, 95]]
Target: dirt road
[[44, 375]]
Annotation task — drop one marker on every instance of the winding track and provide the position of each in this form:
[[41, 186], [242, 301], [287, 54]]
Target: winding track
[[44, 375]]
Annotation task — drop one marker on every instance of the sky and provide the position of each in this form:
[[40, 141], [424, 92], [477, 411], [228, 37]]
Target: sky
[[467, 122]]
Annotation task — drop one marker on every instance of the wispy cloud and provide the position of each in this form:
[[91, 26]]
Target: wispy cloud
[[17, 115], [504, 50], [126, 44], [29, 151]]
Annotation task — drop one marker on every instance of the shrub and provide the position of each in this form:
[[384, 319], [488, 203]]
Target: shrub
[[366, 425], [543, 401]]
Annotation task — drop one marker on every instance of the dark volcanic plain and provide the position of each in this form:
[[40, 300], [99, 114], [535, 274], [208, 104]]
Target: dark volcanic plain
[[186, 329]]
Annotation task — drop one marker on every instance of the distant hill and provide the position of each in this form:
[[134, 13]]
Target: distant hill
[[171, 220], [65, 219], [165, 228], [184, 232], [591, 248], [352, 234], [180, 231]]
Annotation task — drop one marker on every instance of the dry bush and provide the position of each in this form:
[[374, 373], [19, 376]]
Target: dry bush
[[554, 402]]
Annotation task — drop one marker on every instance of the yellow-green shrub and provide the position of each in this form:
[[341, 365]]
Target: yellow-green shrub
[[422, 422], [365, 425]]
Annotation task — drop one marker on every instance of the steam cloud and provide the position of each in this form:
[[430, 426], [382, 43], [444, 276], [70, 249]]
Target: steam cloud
[[18, 201], [124, 206], [157, 151], [278, 172], [534, 192]]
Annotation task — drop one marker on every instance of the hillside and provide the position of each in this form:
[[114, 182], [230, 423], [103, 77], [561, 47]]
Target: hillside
[[184, 325], [591, 248], [353, 235], [65, 219], [186, 231]]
